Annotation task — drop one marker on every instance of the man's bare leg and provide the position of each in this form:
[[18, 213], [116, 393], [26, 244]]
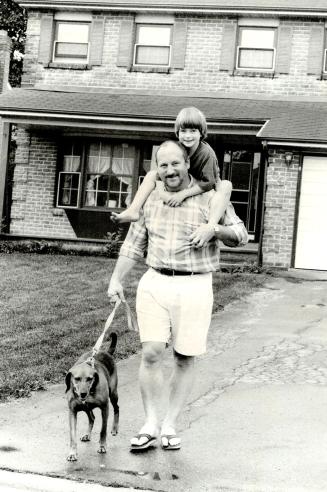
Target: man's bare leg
[[180, 386], [151, 384]]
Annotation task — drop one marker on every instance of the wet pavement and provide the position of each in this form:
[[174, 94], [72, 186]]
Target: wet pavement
[[256, 418]]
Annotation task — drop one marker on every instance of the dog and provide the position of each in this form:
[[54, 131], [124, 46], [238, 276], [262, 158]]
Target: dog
[[90, 385]]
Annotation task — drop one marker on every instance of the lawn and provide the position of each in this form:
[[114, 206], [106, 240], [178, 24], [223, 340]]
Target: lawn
[[53, 308]]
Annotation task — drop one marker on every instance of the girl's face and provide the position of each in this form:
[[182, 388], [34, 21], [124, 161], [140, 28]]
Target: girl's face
[[190, 138]]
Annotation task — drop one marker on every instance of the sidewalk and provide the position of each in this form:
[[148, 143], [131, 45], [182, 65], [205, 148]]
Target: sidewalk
[[256, 420]]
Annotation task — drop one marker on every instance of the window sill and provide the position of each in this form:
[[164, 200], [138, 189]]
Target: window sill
[[253, 73], [88, 209], [150, 69], [68, 66]]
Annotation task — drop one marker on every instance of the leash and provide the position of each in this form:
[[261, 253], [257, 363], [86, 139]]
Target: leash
[[131, 321]]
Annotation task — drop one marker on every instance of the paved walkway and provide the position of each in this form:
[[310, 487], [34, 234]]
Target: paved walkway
[[256, 419]]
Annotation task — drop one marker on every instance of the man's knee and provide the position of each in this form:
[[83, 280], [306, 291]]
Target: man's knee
[[183, 361], [152, 352]]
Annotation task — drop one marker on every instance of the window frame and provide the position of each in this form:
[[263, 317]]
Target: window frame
[[324, 67], [70, 59], [62, 173], [136, 44], [239, 47], [84, 153]]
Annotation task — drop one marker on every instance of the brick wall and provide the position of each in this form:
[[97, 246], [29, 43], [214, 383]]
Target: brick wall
[[33, 211], [201, 72], [280, 206]]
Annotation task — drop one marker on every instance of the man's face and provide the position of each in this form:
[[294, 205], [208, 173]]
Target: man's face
[[172, 167]]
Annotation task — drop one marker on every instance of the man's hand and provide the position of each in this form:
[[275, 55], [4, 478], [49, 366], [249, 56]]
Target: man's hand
[[115, 291], [202, 235]]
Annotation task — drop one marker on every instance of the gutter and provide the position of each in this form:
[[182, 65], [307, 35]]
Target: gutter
[[167, 9], [255, 125], [306, 145]]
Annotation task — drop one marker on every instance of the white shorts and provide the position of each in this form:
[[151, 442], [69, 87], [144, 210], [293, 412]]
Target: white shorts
[[179, 307]]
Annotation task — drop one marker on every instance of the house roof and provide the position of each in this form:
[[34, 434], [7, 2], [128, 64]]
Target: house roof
[[234, 6], [282, 120]]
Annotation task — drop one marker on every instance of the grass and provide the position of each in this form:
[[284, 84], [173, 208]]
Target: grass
[[53, 308]]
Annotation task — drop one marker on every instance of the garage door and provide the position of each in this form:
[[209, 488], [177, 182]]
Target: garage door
[[311, 241]]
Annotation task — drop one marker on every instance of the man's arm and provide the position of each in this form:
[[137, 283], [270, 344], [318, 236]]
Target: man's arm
[[123, 266]]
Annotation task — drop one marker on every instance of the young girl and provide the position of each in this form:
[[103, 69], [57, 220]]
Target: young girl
[[191, 129]]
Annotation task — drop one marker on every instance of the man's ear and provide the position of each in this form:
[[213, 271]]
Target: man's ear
[[187, 162]]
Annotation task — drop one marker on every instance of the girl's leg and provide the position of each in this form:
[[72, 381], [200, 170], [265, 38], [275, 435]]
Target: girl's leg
[[132, 213]]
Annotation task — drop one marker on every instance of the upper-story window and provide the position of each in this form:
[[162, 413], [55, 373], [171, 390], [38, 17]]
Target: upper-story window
[[153, 45], [256, 48], [71, 43]]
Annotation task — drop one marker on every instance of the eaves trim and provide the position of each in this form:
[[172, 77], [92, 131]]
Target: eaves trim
[[171, 8], [297, 144], [120, 119]]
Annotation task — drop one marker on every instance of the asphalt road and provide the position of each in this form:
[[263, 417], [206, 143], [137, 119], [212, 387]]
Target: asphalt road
[[256, 418]]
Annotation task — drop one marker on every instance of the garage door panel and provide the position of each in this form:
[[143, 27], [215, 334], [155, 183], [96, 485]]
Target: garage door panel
[[311, 239]]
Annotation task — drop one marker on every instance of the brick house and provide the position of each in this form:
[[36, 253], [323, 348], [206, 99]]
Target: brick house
[[104, 80]]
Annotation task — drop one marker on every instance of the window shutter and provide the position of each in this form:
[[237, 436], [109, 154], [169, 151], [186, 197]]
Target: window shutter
[[179, 45], [228, 45], [96, 41], [126, 39], [283, 54], [316, 50], [46, 39]]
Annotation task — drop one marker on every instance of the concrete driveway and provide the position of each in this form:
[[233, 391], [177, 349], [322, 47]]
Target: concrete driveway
[[256, 419]]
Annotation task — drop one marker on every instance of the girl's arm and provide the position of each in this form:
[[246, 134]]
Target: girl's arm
[[132, 213], [220, 201]]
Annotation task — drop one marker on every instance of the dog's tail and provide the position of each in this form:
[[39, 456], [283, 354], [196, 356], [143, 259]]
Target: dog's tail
[[113, 343]]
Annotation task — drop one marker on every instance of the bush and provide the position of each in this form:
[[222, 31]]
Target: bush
[[113, 242]]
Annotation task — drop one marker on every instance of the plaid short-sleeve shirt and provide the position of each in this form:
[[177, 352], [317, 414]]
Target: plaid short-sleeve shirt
[[164, 232]]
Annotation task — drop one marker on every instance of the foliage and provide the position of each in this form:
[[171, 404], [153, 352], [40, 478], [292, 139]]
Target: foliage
[[13, 20], [113, 242], [42, 246]]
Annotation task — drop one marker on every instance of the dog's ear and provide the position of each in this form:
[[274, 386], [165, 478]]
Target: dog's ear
[[94, 383], [67, 380]]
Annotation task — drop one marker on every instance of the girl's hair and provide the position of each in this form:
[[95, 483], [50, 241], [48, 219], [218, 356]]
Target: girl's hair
[[191, 118]]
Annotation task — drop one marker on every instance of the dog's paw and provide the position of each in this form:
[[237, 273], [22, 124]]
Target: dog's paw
[[114, 432], [102, 450], [72, 457], [86, 438]]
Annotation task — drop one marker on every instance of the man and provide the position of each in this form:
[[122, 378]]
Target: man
[[174, 297]]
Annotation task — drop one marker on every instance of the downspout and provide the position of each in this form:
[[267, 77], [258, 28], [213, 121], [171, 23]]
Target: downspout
[[5, 139], [263, 209]]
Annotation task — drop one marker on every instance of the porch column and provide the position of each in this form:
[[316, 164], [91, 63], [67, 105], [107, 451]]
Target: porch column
[[4, 150]]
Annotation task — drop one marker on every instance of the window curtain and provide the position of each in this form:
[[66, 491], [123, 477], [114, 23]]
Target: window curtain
[[71, 165], [97, 164], [124, 165]]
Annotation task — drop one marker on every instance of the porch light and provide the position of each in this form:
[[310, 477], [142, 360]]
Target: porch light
[[288, 156]]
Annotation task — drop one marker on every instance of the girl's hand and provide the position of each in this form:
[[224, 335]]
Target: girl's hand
[[176, 199]]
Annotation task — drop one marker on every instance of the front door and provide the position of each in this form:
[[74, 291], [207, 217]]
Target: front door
[[242, 168], [311, 239]]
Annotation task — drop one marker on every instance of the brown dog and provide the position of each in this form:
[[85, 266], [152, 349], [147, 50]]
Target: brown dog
[[89, 387]]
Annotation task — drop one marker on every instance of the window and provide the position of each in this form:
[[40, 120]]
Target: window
[[98, 174], [109, 175], [70, 178], [256, 48], [153, 45], [325, 54], [71, 42]]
